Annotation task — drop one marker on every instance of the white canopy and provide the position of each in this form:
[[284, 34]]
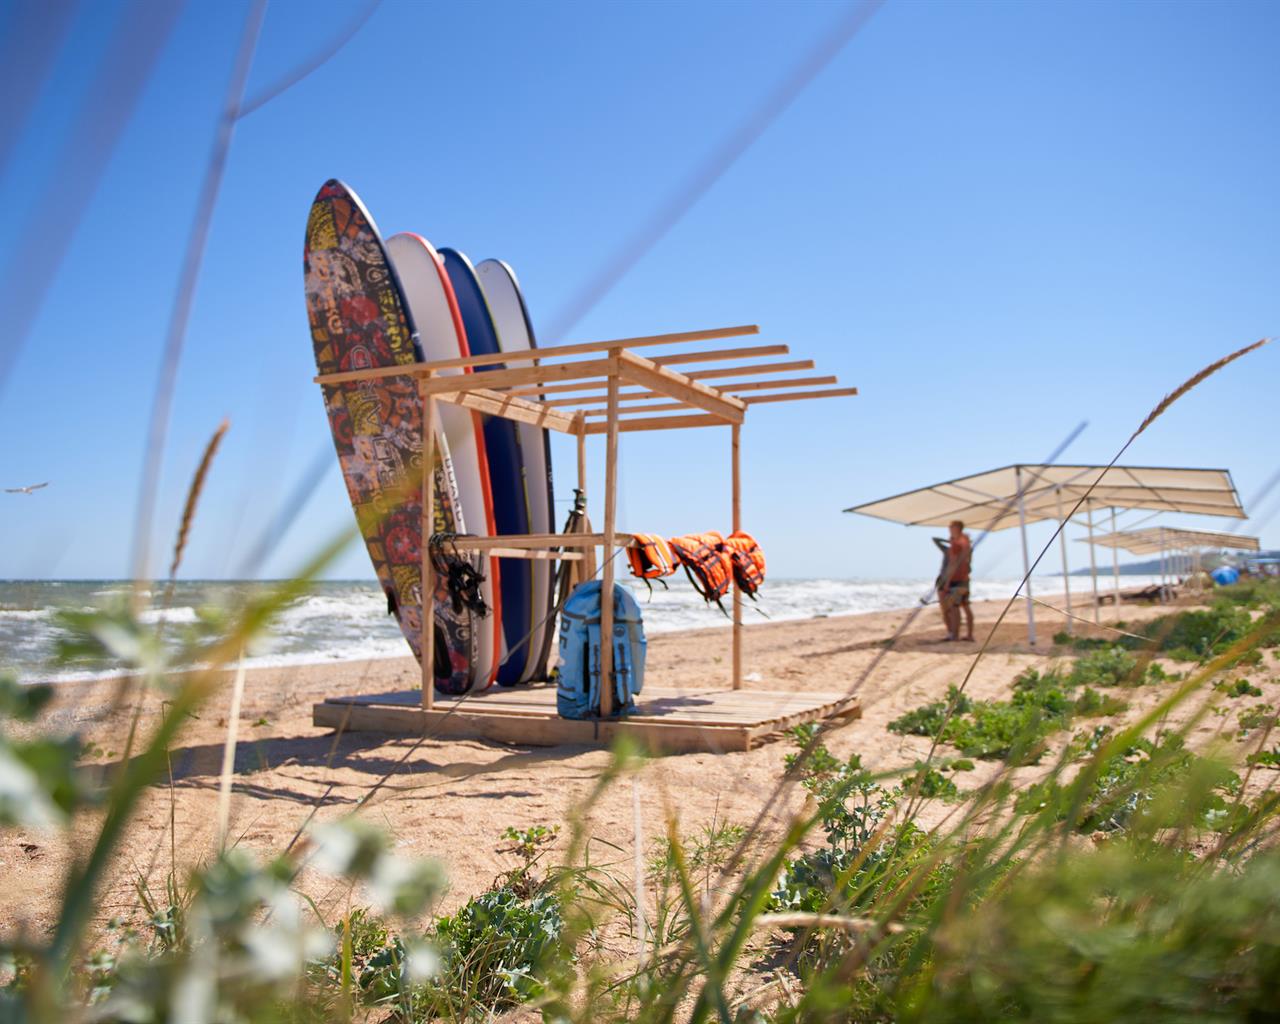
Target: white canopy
[[1166, 538], [989, 501], [1020, 494]]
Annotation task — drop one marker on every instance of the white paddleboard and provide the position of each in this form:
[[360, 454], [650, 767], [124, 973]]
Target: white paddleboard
[[441, 336], [515, 334]]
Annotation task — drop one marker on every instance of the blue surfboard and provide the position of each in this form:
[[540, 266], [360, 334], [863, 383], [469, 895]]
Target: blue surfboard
[[506, 473]]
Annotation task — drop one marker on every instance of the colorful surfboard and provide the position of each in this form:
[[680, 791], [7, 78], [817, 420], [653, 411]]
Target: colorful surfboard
[[359, 320], [515, 334], [506, 475], [441, 335]]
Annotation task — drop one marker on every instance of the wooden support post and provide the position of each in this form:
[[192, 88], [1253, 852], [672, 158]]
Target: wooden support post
[[610, 522], [427, 641], [736, 430], [586, 569]]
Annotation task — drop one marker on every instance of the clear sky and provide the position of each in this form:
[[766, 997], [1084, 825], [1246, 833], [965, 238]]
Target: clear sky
[[996, 220]]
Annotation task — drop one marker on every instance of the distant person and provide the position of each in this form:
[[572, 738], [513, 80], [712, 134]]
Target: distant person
[[953, 582]]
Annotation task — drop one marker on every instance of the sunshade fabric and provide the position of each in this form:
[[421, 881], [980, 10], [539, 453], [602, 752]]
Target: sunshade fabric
[[1164, 538], [989, 501]]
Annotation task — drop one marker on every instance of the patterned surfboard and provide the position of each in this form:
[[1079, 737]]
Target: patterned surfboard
[[359, 320]]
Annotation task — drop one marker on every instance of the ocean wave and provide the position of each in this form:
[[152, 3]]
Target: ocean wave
[[181, 616], [348, 621]]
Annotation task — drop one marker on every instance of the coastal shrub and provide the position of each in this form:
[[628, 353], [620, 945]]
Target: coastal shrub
[[812, 757], [1042, 703], [1163, 782], [496, 949], [1013, 729], [1106, 666], [1240, 688], [1265, 758], [1195, 634], [1091, 704], [927, 719], [931, 782], [851, 808], [1255, 592], [1199, 634], [1260, 716]]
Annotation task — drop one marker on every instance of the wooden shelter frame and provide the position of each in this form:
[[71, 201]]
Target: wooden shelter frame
[[599, 388]]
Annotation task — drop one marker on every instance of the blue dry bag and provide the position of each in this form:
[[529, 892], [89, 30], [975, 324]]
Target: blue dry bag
[[577, 671]]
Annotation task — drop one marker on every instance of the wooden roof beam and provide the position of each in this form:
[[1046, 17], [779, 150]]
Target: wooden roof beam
[[798, 396], [659, 423], [714, 355], [585, 369], [632, 423], [495, 403], [754, 385], [537, 354], [646, 373]]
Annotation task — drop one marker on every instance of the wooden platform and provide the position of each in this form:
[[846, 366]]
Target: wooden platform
[[666, 721]]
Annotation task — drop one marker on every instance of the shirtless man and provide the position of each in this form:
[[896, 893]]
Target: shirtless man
[[953, 583]]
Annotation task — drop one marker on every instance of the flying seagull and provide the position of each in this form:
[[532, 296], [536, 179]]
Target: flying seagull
[[25, 490]]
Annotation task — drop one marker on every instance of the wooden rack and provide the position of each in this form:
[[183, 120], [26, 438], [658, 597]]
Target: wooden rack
[[603, 388]]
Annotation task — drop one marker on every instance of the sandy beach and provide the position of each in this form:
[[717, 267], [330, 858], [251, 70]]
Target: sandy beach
[[452, 800]]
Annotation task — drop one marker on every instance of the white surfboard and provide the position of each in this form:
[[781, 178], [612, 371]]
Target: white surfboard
[[441, 336], [515, 334]]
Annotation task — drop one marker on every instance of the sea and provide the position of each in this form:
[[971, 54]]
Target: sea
[[347, 620]]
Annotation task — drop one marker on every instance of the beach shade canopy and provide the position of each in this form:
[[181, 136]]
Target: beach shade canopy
[[1164, 538], [990, 500], [1023, 493]]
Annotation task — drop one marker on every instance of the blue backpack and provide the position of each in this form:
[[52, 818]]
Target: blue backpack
[[577, 673]]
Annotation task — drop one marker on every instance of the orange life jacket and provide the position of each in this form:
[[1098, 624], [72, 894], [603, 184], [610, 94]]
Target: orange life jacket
[[707, 563], [747, 560], [650, 556]]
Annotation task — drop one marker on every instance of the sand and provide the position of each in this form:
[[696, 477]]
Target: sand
[[452, 799]]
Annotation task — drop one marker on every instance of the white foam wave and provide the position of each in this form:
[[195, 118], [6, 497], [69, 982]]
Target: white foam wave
[[348, 622], [178, 615]]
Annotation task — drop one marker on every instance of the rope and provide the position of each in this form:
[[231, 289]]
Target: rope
[[1090, 622]]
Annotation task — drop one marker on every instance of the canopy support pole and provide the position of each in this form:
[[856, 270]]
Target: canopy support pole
[[1164, 574], [1026, 561], [1066, 571], [1115, 562], [734, 444], [1093, 566]]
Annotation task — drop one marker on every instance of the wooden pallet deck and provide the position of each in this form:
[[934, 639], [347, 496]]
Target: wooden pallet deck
[[666, 721]]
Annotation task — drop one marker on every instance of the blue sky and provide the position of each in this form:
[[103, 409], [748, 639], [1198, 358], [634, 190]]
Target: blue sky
[[996, 220]]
